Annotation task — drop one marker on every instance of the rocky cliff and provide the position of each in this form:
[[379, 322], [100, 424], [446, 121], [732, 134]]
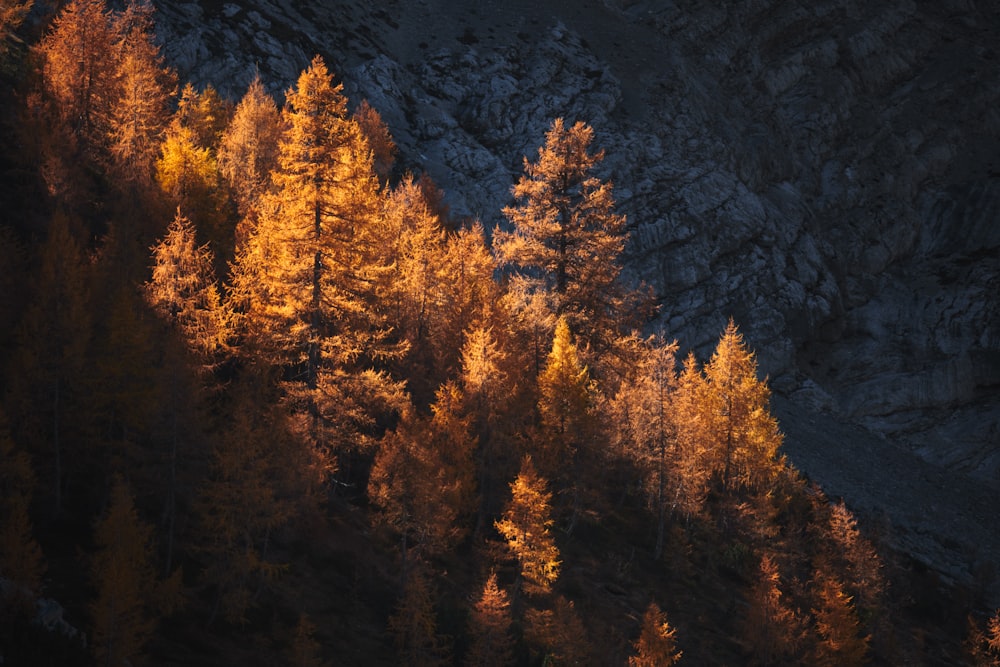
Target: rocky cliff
[[826, 173]]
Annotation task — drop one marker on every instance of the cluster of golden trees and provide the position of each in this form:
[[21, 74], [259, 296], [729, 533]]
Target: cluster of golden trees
[[314, 325]]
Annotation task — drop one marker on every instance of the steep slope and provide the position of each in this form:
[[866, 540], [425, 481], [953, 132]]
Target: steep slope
[[825, 174]]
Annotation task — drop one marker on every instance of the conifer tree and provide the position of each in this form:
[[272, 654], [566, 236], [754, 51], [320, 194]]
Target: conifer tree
[[53, 338], [414, 625], [21, 561], [982, 646], [566, 239], [244, 501], [124, 579], [854, 554], [692, 408], [305, 648], [78, 70], [644, 429], [248, 148], [656, 646], [526, 525], [305, 281], [490, 628], [142, 90], [183, 290], [558, 634], [568, 422], [747, 434], [382, 146], [12, 15], [205, 113], [771, 629], [841, 641]]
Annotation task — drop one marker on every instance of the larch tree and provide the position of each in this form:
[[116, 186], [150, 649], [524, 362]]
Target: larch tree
[[122, 573], [306, 651], [490, 625], [21, 560], [304, 283], [856, 557], [413, 625], [12, 15], [771, 630], [566, 238], [53, 338], [558, 634], [982, 645], [377, 133], [841, 643], [746, 434], [142, 88], [183, 290], [526, 526], [206, 113], [248, 149], [568, 422], [644, 431], [656, 645], [692, 412], [78, 69]]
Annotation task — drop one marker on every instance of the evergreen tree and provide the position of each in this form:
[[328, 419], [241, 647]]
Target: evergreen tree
[[656, 646], [526, 525], [78, 69], [183, 290], [569, 426]]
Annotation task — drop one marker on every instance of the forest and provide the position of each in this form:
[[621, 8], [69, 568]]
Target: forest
[[265, 400]]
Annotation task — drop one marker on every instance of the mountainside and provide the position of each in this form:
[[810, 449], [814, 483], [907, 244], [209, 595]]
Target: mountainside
[[827, 175]]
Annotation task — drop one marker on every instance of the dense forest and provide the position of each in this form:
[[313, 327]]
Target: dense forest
[[266, 401]]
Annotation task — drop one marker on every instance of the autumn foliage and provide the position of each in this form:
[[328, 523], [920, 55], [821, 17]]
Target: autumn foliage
[[253, 368]]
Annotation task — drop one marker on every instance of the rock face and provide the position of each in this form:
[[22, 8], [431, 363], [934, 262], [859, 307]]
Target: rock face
[[826, 173]]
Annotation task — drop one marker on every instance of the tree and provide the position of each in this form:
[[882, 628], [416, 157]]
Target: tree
[[558, 633], [143, 87], [53, 338], [78, 70], [12, 15], [854, 554], [983, 647], [841, 642], [20, 556], [245, 500], [566, 238], [304, 283], [124, 579], [248, 148], [526, 525], [414, 625], [692, 407], [206, 113], [771, 629], [490, 628], [746, 433], [567, 417], [305, 648], [656, 646], [377, 133], [183, 289], [644, 430]]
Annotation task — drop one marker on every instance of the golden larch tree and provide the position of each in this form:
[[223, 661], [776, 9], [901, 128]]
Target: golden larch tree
[[746, 434], [379, 138], [771, 630], [248, 149], [413, 625], [656, 645], [123, 575], [490, 624], [566, 238], [526, 525], [841, 642]]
